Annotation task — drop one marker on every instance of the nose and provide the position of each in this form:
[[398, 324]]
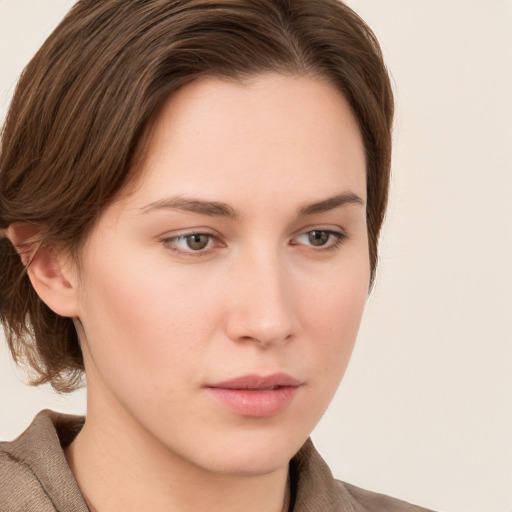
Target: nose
[[261, 301]]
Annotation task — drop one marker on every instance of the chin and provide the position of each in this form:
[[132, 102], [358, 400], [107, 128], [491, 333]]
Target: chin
[[247, 452], [250, 463]]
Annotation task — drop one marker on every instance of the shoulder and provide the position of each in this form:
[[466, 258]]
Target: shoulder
[[19, 487], [315, 489], [34, 474], [374, 502]]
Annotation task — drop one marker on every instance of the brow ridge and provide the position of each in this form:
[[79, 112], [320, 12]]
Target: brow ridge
[[220, 209]]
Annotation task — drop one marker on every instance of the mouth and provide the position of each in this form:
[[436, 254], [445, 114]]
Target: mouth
[[258, 382], [256, 396]]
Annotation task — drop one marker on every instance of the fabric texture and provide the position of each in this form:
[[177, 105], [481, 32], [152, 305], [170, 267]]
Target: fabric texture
[[35, 476]]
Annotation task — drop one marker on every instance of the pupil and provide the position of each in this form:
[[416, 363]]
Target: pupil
[[197, 242], [318, 237]]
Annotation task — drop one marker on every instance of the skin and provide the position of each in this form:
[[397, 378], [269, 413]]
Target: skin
[[159, 321]]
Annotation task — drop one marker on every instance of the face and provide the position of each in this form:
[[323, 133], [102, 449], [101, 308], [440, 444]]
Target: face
[[220, 297]]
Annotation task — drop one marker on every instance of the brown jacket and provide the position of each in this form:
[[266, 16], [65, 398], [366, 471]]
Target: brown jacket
[[35, 477]]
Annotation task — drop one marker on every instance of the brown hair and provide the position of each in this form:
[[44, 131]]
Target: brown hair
[[83, 103]]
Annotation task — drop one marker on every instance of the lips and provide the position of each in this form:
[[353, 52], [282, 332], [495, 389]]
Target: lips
[[258, 383], [256, 396]]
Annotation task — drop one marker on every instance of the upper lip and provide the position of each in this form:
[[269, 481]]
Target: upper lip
[[258, 382]]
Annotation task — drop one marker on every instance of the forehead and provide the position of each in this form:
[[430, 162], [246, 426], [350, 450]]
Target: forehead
[[267, 135]]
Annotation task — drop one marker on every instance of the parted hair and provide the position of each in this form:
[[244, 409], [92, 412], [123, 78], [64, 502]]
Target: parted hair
[[83, 104]]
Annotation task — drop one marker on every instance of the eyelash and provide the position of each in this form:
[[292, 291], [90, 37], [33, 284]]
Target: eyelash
[[339, 237], [172, 240]]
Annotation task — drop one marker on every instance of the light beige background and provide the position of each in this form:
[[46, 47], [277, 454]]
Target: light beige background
[[424, 411]]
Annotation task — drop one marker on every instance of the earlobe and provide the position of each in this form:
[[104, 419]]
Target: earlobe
[[48, 269]]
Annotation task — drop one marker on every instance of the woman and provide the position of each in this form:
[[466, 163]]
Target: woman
[[191, 197]]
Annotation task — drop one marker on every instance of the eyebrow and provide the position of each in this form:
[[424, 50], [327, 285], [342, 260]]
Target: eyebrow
[[330, 204], [219, 209], [211, 208]]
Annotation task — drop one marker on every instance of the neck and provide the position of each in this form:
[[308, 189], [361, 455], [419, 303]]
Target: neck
[[119, 466]]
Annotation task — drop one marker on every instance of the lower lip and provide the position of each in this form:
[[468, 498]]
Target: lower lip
[[255, 404]]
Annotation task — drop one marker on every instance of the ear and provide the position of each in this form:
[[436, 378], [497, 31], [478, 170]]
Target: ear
[[50, 271]]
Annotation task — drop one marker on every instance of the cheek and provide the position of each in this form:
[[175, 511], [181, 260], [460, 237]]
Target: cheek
[[333, 314], [146, 319]]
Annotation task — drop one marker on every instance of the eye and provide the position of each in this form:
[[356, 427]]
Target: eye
[[318, 238], [197, 242], [322, 238], [190, 242]]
